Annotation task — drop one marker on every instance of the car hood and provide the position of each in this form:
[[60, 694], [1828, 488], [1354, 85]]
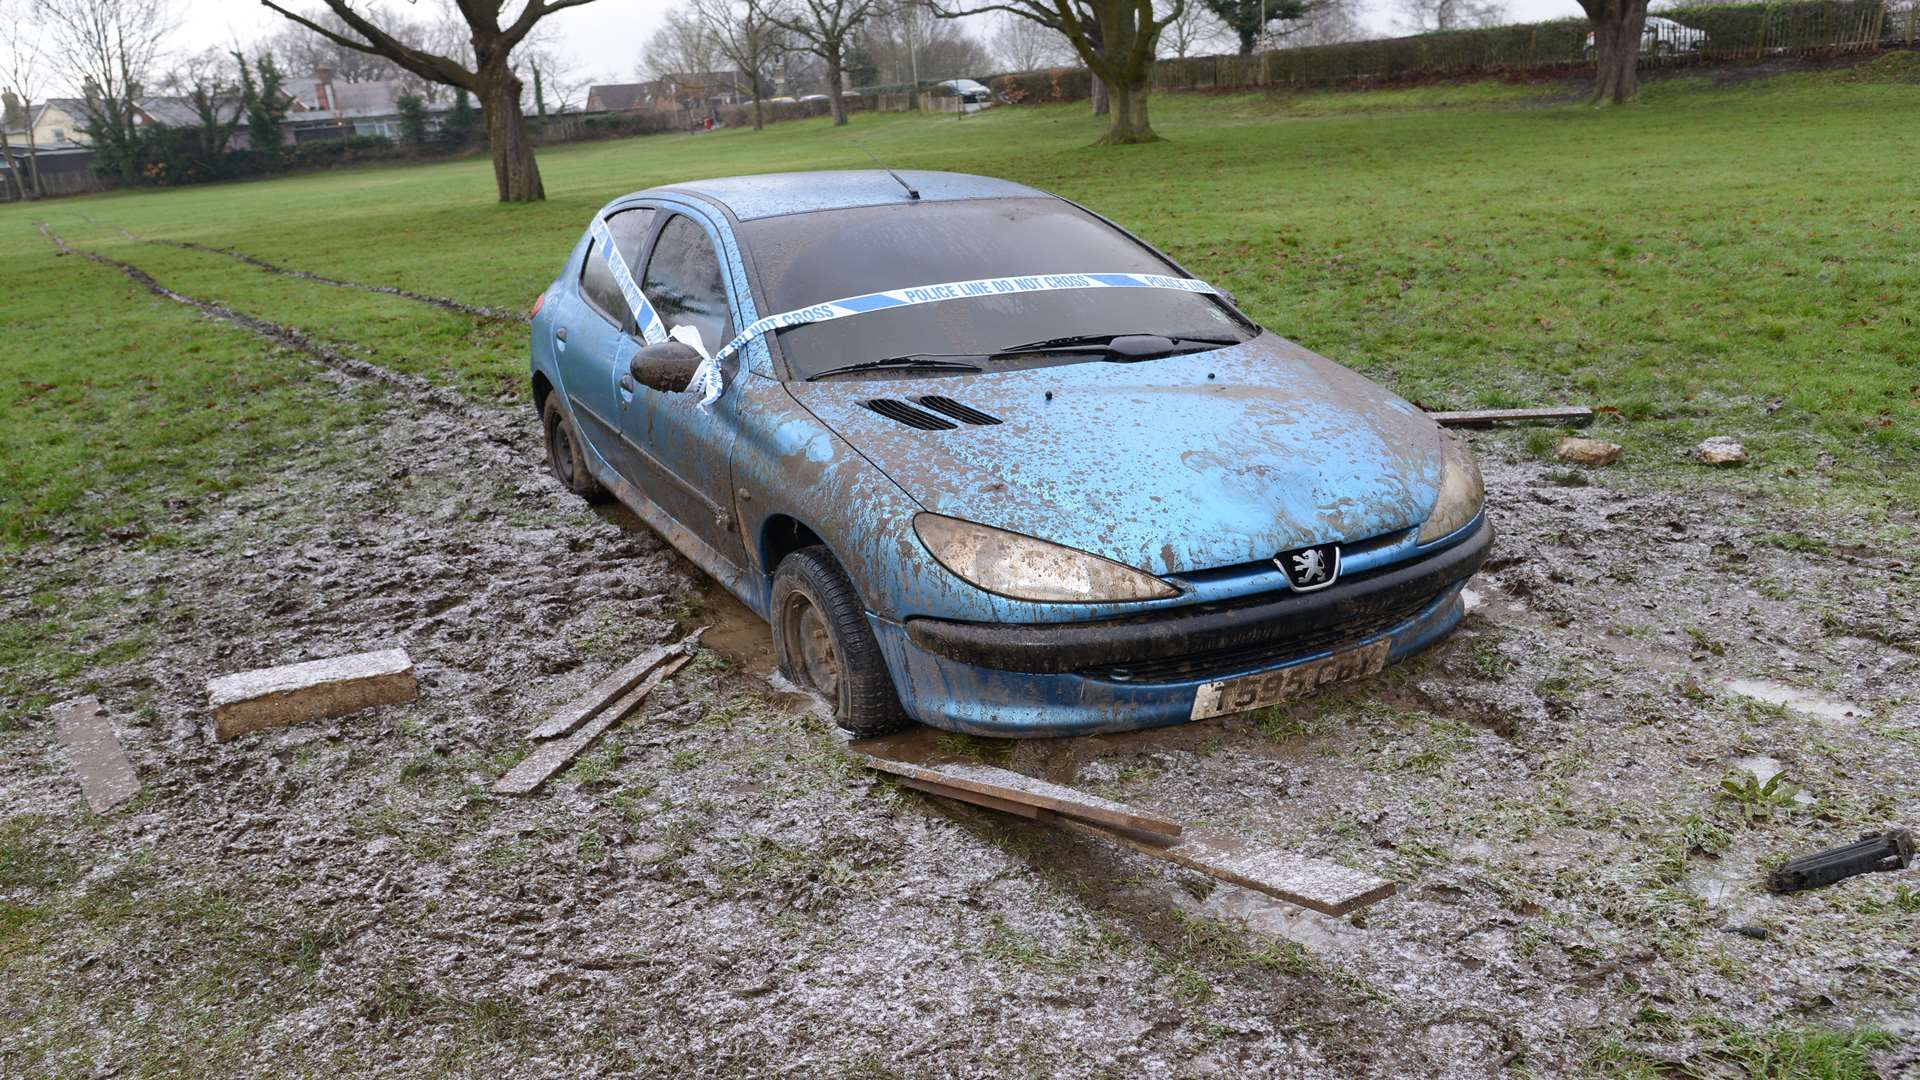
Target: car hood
[[1173, 465]]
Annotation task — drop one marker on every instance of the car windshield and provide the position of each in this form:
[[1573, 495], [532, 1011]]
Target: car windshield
[[807, 259]]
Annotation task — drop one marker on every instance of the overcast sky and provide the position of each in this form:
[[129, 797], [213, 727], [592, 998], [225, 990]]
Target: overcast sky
[[606, 36]]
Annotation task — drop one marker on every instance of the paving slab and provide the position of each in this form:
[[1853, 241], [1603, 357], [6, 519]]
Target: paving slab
[[314, 690], [106, 776]]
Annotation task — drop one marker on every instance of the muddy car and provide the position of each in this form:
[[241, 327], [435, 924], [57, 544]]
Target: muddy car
[[985, 460]]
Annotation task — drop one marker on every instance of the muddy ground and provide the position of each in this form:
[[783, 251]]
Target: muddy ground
[[714, 890]]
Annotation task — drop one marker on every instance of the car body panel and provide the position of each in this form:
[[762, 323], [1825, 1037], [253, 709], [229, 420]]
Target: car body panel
[[1273, 444], [1283, 448]]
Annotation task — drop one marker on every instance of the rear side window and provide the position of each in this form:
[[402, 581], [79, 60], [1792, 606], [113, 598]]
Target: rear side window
[[684, 285], [629, 228]]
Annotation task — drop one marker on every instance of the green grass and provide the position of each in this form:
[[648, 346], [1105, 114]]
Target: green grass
[[1715, 260]]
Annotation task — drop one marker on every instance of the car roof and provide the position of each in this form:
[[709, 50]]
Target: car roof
[[774, 194]]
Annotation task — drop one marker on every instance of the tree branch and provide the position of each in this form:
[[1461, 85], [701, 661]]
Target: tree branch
[[378, 43]]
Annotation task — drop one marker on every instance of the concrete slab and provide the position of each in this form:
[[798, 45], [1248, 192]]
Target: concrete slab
[[106, 776], [274, 697]]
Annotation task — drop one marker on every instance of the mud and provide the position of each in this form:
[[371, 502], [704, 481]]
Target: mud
[[715, 890], [442, 302]]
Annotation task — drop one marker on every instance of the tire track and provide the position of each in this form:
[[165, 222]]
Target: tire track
[[493, 424], [445, 303]]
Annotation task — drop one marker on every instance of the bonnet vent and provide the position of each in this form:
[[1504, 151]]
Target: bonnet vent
[[910, 416], [966, 414]]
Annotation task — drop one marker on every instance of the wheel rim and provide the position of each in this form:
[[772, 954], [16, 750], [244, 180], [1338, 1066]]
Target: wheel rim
[[810, 646], [560, 449]]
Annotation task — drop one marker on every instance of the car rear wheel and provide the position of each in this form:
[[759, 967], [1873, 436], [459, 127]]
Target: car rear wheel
[[823, 642], [565, 455]]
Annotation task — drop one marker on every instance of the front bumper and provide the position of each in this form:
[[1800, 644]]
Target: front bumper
[[1143, 671]]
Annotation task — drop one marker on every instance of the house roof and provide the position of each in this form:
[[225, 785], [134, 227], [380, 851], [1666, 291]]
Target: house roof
[[380, 97], [617, 96], [179, 112]]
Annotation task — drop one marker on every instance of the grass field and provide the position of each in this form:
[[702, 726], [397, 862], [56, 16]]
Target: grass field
[[1718, 260], [179, 499]]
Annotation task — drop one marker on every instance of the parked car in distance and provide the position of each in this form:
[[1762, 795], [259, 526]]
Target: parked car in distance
[[1662, 37], [972, 95], [986, 460]]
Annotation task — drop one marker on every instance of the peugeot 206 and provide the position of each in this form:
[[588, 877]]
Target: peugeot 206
[[985, 460]]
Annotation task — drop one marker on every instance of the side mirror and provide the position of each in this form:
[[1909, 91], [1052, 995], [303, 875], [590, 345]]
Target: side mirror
[[667, 367]]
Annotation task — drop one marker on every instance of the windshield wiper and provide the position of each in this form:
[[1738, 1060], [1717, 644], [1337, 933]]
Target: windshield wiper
[[1137, 346], [897, 362]]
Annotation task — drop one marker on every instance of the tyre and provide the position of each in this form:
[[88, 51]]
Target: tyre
[[566, 456], [823, 643]]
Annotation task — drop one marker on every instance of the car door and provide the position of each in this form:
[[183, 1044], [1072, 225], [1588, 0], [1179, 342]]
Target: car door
[[687, 448], [591, 345]]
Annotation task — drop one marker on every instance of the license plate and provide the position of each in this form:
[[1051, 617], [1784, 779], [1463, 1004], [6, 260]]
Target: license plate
[[1254, 691]]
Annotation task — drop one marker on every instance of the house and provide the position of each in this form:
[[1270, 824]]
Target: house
[[59, 123], [55, 123], [704, 91], [323, 107], [630, 97]]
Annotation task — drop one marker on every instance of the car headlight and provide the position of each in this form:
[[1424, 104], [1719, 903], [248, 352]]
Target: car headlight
[[1461, 492], [1027, 569]]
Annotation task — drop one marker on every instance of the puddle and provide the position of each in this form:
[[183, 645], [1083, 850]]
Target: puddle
[[1792, 697]]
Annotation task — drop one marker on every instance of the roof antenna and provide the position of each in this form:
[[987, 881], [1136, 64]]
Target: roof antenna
[[911, 194]]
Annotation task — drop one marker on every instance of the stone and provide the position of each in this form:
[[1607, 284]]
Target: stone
[[315, 690], [1721, 450], [106, 776], [1587, 451]]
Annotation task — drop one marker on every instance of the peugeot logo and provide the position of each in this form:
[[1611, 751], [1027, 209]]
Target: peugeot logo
[[1310, 568]]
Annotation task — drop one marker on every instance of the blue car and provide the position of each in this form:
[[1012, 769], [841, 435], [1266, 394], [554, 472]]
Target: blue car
[[987, 461]]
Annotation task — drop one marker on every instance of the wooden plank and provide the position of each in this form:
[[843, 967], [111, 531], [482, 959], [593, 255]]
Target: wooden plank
[[1328, 888], [963, 795], [1572, 414], [550, 757], [1015, 787], [106, 776], [272, 697], [610, 689]]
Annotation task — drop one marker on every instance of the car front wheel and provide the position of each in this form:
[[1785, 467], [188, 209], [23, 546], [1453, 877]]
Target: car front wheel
[[823, 642]]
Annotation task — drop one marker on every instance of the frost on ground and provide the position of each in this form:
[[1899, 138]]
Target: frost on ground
[[714, 888]]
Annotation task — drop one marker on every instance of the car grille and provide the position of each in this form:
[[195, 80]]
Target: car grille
[[1218, 663]]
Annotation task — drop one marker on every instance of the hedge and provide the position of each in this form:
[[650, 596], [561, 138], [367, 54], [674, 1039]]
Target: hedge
[[1732, 30]]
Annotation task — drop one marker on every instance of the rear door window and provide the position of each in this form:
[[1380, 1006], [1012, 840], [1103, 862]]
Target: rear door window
[[629, 229], [684, 283]]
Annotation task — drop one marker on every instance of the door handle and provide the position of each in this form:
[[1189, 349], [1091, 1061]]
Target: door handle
[[560, 333]]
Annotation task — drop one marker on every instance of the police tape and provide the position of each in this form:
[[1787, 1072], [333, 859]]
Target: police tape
[[708, 376]]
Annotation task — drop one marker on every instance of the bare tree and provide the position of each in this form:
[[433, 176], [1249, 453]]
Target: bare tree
[[909, 45], [302, 51], [1617, 27], [1024, 45], [825, 28], [108, 48], [747, 34], [487, 72], [683, 45], [1196, 31], [558, 85], [1330, 22], [1116, 39], [21, 67], [1424, 16]]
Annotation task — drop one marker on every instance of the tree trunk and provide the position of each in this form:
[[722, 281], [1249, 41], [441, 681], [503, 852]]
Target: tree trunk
[[33, 164], [13, 169], [515, 172], [1127, 117], [834, 78], [1617, 28], [1101, 102]]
